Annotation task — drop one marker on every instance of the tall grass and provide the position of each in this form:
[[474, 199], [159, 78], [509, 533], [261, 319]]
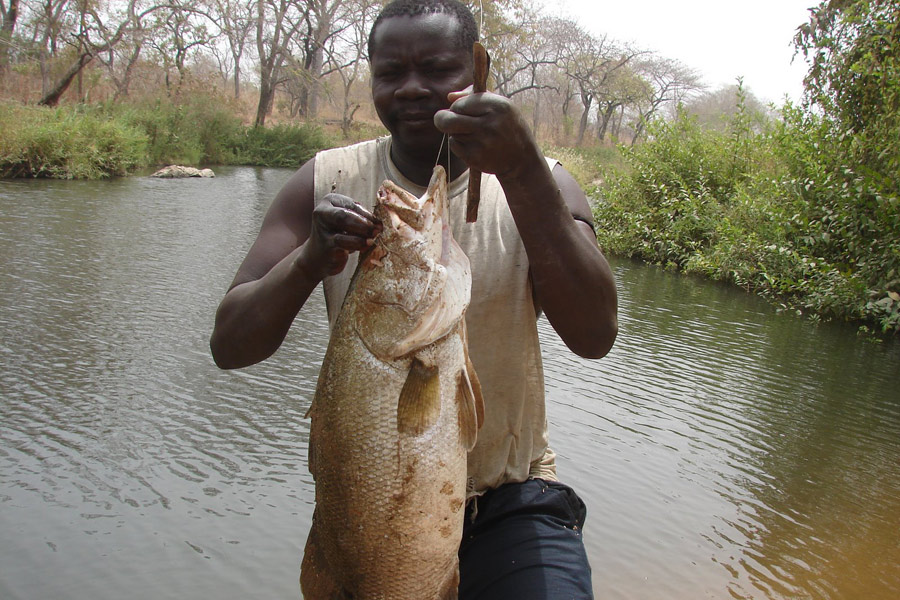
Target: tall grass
[[278, 146], [66, 143], [107, 140]]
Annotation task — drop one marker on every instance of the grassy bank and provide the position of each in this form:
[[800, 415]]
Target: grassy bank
[[774, 206], [770, 209], [110, 140]]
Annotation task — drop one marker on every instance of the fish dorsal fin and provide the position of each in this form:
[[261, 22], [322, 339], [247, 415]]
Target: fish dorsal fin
[[419, 405], [470, 404]]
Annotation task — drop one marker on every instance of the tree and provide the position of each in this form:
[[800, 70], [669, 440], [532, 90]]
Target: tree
[[8, 17], [524, 50], [591, 63], [624, 88], [120, 59], [180, 30], [850, 125], [853, 47], [86, 43], [670, 82], [235, 21], [325, 21], [349, 64], [277, 22], [716, 109]]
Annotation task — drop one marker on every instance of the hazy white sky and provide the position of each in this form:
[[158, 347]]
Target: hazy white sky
[[721, 39]]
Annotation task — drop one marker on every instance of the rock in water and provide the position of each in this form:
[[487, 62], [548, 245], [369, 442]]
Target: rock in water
[[178, 171], [397, 407]]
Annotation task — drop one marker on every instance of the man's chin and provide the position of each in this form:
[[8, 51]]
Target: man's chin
[[421, 139]]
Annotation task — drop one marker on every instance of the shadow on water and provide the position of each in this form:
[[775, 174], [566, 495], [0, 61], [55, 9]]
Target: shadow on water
[[724, 450]]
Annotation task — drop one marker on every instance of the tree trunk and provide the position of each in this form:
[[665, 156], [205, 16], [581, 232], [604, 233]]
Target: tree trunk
[[604, 119], [51, 98], [315, 72], [266, 96], [6, 33], [617, 122], [586, 100]]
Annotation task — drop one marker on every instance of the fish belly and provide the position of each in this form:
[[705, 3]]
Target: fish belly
[[389, 505]]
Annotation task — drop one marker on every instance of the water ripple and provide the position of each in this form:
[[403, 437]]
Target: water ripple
[[724, 450]]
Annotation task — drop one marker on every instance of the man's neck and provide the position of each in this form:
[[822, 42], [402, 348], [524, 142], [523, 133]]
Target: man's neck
[[419, 171]]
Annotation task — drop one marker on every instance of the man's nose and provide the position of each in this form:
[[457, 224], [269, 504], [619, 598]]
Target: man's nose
[[412, 86]]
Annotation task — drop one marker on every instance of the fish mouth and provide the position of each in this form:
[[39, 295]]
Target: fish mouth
[[399, 206]]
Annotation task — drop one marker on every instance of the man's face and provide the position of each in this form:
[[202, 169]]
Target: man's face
[[417, 61]]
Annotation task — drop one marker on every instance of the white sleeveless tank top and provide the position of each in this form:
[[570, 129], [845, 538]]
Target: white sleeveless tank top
[[501, 318]]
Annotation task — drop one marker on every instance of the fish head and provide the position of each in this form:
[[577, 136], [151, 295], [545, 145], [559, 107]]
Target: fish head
[[414, 285]]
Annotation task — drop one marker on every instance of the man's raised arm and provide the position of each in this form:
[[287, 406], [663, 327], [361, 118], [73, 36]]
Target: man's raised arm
[[573, 282]]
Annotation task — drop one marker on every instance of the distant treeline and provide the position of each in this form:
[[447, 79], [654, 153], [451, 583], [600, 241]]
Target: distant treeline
[[301, 60]]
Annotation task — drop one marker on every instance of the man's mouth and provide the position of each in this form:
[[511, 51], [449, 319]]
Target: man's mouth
[[416, 117]]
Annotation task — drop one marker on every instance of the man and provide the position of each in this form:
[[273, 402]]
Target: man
[[532, 250]]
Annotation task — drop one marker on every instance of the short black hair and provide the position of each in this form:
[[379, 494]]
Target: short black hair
[[468, 30]]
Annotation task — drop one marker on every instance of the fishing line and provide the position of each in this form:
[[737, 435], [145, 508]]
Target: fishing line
[[444, 140], [437, 160]]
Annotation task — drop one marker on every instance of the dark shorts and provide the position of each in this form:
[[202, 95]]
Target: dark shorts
[[525, 544]]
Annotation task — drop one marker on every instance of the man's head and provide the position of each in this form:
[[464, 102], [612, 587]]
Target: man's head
[[467, 32]]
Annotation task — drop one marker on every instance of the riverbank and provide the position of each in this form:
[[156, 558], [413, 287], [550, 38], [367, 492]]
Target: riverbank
[[750, 203], [774, 206], [113, 140]]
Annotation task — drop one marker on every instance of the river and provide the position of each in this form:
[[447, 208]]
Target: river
[[724, 449]]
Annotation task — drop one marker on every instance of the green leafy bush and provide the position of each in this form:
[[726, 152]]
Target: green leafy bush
[[278, 146], [66, 143], [767, 210], [199, 132], [805, 211]]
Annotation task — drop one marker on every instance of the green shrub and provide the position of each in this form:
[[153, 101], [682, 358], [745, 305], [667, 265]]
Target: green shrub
[[774, 211], [278, 146], [67, 143], [667, 204], [196, 133], [114, 139]]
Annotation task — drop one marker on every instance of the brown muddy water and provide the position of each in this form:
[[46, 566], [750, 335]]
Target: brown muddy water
[[725, 450]]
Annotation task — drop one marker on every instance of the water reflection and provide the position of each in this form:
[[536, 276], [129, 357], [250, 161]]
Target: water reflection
[[724, 450], [737, 437]]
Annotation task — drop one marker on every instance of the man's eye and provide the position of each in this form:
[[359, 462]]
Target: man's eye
[[386, 74]]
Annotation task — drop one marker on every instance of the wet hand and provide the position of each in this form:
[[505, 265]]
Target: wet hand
[[487, 132], [339, 226]]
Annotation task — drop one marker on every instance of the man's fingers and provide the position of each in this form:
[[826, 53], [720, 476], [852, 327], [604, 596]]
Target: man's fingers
[[454, 123], [454, 96], [351, 243], [349, 218]]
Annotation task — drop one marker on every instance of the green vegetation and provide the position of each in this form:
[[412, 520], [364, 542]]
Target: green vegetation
[[66, 144], [804, 210], [802, 206], [109, 140]]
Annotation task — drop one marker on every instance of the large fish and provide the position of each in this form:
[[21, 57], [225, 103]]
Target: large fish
[[397, 407]]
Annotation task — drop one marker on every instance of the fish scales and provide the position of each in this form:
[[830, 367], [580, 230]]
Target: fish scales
[[397, 407]]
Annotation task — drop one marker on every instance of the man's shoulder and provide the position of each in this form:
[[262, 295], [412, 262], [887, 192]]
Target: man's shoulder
[[350, 170], [364, 148]]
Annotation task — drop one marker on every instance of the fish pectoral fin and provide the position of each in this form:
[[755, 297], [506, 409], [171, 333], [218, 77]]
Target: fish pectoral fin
[[476, 390], [419, 405], [470, 404]]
